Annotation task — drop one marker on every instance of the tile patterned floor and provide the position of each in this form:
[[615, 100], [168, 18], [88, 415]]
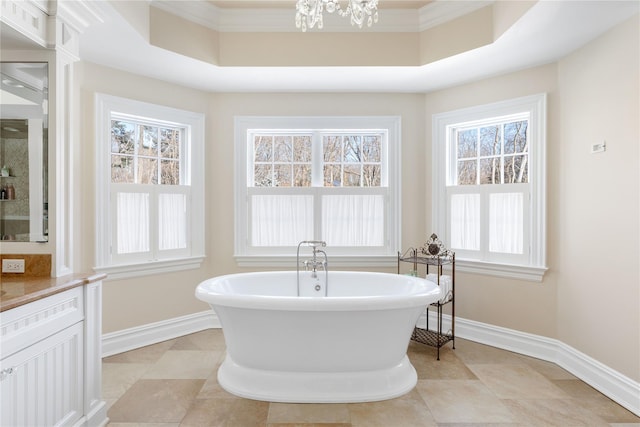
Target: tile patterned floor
[[173, 383]]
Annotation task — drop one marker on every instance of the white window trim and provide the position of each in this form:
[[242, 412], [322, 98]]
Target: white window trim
[[535, 105], [247, 258], [105, 105]]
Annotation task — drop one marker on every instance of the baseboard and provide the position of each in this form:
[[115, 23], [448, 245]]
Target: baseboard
[[152, 333], [609, 382]]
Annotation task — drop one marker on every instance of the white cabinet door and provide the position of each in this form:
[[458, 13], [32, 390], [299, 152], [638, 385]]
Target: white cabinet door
[[42, 384]]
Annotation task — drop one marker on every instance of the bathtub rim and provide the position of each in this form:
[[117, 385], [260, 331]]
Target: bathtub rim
[[429, 293]]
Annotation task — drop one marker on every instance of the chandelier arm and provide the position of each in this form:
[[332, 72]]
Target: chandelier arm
[[309, 13]]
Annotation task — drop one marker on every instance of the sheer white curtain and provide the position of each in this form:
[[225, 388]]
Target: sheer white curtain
[[353, 220], [506, 223], [465, 221], [281, 220], [132, 222], [172, 221]]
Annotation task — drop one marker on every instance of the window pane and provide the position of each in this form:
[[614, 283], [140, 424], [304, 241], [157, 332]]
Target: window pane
[[302, 175], [169, 143], [467, 174], [138, 159], [122, 169], [132, 222], [283, 149], [332, 148], [263, 148], [371, 175], [490, 141], [515, 137], [465, 221], [332, 176], [172, 221], [522, 138], [372, 148], [170, 172], [351, 176], [506, 223], [516, 169], [262, 176], [302, 148], [282, 175], [122, 137], [147, 171], [490, 171], [149, 141], [353, 220], [352, 149], [281, 220], [467, 143]]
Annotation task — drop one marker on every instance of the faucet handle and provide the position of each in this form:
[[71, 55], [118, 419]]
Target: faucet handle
[[313, 243]]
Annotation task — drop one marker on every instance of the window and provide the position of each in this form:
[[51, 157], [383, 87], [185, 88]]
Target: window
[[149, 187], [330, 178], [489, 182]]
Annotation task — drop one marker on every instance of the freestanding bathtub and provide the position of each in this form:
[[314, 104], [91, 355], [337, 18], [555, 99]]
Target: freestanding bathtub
[[348, 346]]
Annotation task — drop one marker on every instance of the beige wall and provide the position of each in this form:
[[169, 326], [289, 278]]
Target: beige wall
[[359, 48], [143, 300], [592, 96], [516, 304], [126, 302], [409, 107], [598, 200]]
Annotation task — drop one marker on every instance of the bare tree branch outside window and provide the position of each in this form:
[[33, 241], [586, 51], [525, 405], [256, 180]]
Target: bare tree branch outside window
[[348, 160], [135, 157], [493, 154]]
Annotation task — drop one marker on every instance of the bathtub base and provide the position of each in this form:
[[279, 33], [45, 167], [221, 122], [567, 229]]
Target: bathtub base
[[317, 387]]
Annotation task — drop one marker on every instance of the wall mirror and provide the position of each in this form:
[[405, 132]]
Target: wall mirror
[[23, 152]]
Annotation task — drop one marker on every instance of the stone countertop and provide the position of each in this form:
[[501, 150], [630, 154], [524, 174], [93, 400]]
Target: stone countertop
[[17, 291]]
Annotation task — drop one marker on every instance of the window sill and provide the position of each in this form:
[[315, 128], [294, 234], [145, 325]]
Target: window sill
[[532, 274], [150, 268], [521, 272], [289, 262]]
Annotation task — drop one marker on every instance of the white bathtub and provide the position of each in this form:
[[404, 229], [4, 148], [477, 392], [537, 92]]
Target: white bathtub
[[349, 346]]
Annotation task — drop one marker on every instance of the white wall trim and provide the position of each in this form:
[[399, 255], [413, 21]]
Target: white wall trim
[[439, 12], [618, 387], [153, 333], [611, 383], [444, 175], [116, 272]]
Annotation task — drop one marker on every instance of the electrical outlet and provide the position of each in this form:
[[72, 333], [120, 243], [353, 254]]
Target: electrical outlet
[[13, 266]]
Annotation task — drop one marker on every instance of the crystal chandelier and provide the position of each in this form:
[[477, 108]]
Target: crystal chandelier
[[309, 12]]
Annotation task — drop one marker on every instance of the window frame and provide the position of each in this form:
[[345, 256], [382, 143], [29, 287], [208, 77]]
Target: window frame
[[192, 176], [250, 256], [532, 266]]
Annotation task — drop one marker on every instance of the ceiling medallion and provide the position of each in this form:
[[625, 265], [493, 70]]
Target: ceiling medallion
[[309, 12]]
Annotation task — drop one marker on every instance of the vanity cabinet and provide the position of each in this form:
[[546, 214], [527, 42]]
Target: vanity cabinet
[[50, 370]]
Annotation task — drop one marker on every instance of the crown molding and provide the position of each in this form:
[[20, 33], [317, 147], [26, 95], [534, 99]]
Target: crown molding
[[81, 14], [283, 20], [441, 11]]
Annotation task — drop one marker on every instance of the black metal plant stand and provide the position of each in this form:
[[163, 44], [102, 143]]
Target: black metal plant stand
[[434, 254]]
